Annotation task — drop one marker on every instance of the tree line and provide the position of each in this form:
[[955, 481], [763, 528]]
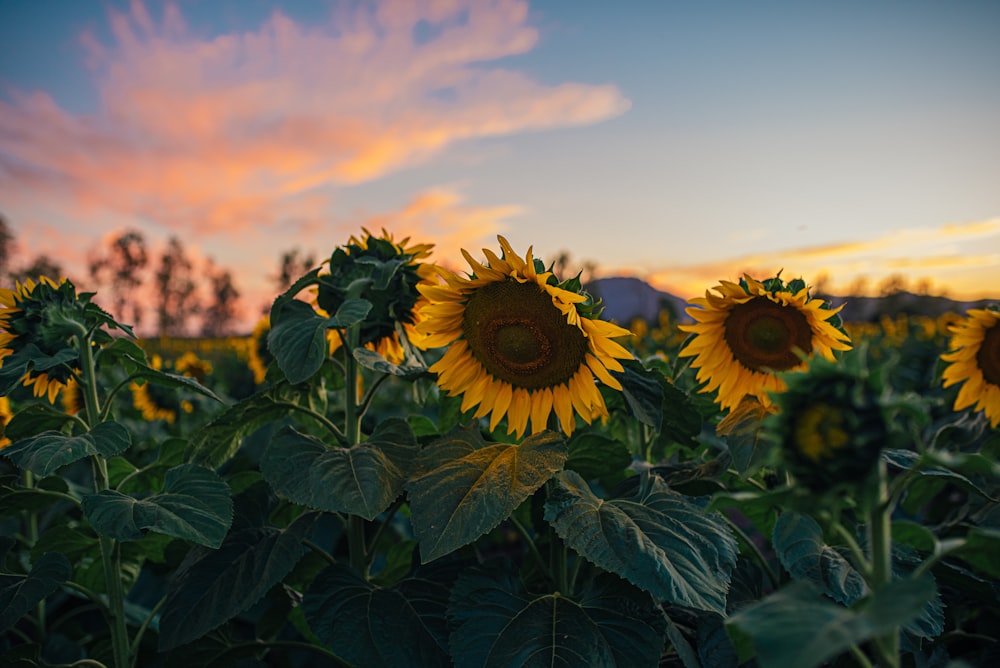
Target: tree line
[[137, 285]]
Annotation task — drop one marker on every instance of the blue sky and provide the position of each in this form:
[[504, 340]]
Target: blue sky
[[680, 142]]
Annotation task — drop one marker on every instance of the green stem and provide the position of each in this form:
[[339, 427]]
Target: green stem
[[557, 561], [533, 548], [860, 561], [322, 419], [880, 539], [110, 557], [29, 483], [320, 551], [357, 549], [145, 625], [755, 552]]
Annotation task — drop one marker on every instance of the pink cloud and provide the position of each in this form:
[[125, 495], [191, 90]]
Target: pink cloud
[[209, 134]]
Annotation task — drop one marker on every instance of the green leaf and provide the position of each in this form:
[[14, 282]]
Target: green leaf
[[372, 360], [70, 542], [298, 338], [656, 539], [47, 452], [642, 392], [20, 593], [298, 334], [980, 550], [213, 586], [798, 628], [34, 419], [496, 622], [194, 505], [915, 535], [27, 359], [594, 455], [215, 443], [124, 353], [403, 625], [469, 487], [681, 421], [926, 465], [362, 480], [798, 542], [165, 379]]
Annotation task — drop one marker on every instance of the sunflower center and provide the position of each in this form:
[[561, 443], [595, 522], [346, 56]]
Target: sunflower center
[[765, 335], [819, 430], [519, 336], [988, 357]]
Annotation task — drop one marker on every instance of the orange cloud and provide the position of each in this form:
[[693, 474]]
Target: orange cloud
[[221, 134], [953, 252]]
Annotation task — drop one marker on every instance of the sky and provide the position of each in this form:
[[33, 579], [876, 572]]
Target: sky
[[680, 142]]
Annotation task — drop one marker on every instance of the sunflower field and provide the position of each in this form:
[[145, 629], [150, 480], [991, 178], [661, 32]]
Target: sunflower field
[[407, 465]]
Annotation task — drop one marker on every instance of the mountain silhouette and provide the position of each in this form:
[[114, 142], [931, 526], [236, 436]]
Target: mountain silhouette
[[626, 298]]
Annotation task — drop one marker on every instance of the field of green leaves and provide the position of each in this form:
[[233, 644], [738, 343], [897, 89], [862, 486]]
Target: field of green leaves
[[409, 466]]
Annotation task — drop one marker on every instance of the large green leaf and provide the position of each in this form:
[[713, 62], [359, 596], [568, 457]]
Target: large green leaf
[[20, 593], [798, 628], [497, 623], [47, 452], [403, 625], [174, 380], [298, 334], [194, 505], [362, 480], [27, 359], [594, 455], [218, 441], [980, 549], [34, 419], [657, 539], [213, 586], [798, 542], [468, 487], [643, 394]]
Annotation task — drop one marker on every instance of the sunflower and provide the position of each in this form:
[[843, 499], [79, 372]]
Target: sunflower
[[753, 329], [260, 356], [829, 426], [520, 344], [5, 415], [388, 272], [974, 360], [30, 343]]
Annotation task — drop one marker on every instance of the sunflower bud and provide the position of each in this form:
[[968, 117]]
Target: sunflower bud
[[829, 427], [379, 271], [38, 325]]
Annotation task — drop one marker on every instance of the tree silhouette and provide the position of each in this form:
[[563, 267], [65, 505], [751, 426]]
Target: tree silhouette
[[220, 313], [119, 267], [294, 263], [177, 299], [6, 242]]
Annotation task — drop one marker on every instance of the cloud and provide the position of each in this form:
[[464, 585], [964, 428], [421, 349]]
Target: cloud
[[218, 134], [955, 250]]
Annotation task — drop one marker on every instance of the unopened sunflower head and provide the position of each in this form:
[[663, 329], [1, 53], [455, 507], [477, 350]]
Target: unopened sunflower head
[[829, 426], [38, 323], [381, 271], [520, 343], [974, 361], [752, 330]]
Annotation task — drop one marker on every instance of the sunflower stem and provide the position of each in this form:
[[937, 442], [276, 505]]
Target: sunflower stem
[[357, 549], [880, 541], [110, 555], [29, 483]]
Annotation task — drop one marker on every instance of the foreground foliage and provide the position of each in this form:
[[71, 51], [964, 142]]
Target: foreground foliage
[[312, 497]]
